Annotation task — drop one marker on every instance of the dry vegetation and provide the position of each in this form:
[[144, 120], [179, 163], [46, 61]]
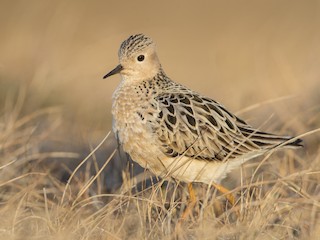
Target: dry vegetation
[[278, 197], [63, 177]]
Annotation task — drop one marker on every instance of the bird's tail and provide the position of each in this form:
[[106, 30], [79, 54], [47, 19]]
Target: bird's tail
[[269, 141]]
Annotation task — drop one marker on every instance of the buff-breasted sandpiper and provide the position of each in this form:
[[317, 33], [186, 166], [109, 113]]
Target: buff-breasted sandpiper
[[174, 131]]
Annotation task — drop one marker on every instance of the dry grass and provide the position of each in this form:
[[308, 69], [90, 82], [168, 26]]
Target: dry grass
[[278, 197], [55, 111]]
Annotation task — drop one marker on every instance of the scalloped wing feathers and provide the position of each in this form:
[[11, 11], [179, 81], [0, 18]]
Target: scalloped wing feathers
[[199, 127]]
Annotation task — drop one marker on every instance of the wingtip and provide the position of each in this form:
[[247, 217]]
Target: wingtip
[[297, 142]]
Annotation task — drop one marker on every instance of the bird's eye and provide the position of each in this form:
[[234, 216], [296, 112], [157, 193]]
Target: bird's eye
[[140, 58]]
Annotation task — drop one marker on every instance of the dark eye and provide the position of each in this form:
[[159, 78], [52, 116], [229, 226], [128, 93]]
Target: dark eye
[[140, 58]]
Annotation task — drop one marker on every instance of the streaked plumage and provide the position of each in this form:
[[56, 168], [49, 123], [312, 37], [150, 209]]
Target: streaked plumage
[[174, 131]]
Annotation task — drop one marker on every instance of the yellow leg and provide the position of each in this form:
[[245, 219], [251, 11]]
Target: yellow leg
[[223, 190], [192, 194], [192, 202], [193, 199]]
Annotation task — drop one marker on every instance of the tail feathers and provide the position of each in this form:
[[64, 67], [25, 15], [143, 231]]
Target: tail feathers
[[294, 142], [269, 141]]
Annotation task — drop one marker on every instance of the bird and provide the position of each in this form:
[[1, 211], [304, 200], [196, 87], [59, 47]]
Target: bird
[[176, 132]]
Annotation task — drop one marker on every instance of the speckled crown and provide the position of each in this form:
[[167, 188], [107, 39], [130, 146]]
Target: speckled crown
[[133, 44]]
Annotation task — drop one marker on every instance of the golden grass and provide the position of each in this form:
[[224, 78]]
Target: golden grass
[[278, 197], [55, 111]]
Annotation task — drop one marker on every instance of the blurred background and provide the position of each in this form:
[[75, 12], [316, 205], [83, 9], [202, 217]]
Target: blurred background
[[55, 53]]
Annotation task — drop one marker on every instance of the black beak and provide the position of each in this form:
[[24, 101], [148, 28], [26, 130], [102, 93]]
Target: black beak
[[114, 71]]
